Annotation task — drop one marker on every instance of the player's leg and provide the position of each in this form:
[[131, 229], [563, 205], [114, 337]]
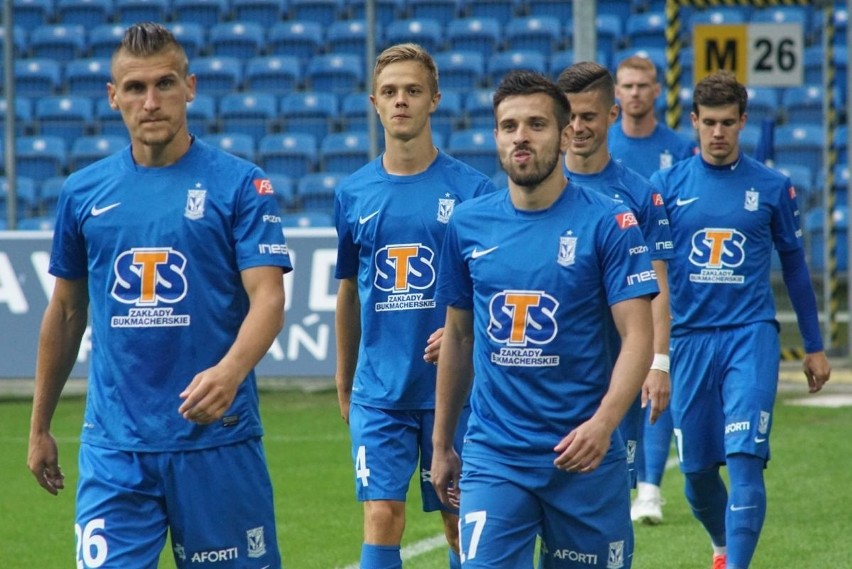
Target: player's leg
[[651, 458], [587, 519], [220, 507], [120, 520], [749, 392], [385, 448]]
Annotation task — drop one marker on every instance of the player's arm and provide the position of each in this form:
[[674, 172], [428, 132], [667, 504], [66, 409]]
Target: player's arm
[[455, 376], [657, 386], [62, 330], [211, 392], [347, 325], [797, 279], [583, 448]]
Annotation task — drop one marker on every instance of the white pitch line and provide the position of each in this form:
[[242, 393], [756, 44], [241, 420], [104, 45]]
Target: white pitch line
[[416, 548]]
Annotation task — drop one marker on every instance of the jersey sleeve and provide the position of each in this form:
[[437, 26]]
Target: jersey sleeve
[[258, 234], [626, 263], [455, 286], [347, 250], [786, 231], [68, 257]]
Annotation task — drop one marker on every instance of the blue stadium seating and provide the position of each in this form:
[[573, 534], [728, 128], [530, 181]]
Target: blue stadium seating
[[479, 109], [335, 73], [242, 40], [565, 58], [131, 11], [88, 77], [191, 36], [276, 74], [19, 40], [202, 114], [303, 39], [39, 223], [503, 62], [206, 13], [841, 143], [500, 10], [426, 32], [30, 14], [316, 191], [800, 144], [25, 194], [476, 147], [344, 151], [236, 143], [309, 112], [23, 115], [48, 195], [109, 121], [803, 104], [103, 39], [58, 42], [448, 113], [481, 35], [646, 30], [354, 110], [40, 157], [285, 193], [802, 178], [263, 12], [315, 10], [441, 10], [559, 9], [762, 104], [386, 10], [218, 75], [87, 13], [68, 117], [460, 69], [88, 149], [291, 154], [248, 113], [349, 36], [814, 221], [307, 219], [783, 15], [535, 33], [750, 138]]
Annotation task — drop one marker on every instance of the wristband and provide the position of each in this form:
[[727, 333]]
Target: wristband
[[661, 362]]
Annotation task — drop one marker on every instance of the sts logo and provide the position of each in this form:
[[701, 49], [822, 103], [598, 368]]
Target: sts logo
[[518, 319], [715, 248], [148, 276], [400, 268]]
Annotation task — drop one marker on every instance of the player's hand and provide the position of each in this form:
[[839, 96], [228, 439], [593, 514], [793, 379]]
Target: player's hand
[[583, 449], [43, 462], [817, 370], [209, 395], [433, 346], [344, 400], [445, 473], [657, 390]]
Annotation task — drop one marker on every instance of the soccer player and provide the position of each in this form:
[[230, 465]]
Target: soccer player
[[177, 249], [529, 275], [391, 217], [727, 211], [590, 90], [644, 145]]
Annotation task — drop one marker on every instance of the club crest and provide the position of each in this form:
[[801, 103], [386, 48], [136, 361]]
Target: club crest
[[195, 204]]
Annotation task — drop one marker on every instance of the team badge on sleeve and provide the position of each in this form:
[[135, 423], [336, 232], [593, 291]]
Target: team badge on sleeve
[[792, 193], [263, 186], [626, 219], [657, 199]]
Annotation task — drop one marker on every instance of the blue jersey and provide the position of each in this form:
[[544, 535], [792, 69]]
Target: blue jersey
[[624, 185], [648, 154], [725, 221], [162, 249], [390, 230], [540, 285]]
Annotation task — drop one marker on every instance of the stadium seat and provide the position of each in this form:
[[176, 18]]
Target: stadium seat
[[479, 108], [68, 117], [344, 151], [191, 36], [303, 39], [40, 157], [481, 35], [285, 193], [263, 12], [19, 40], [315, 10], [505, 61], [242, 40], [131, 11], [610, 32], [561, 59], [23, 115], [202, 115], [841, 143], [534, 33], [476, 147], [814, 222], [25, 196], [335, 73], [316, 191], [500, 10], [218, 75], [750, 138], [39, 223], [249, 113], [762, 104], [292, 154], [447, 116], [716, 15], [783, 15], [426, 32], [237, 143], [276, 74], [813, 62], [30, 14], [803, 104], [88, 77], [802, 178], [386, 11], [89, 149], [58, 42], [307, 219], [103, 39], [621, 9], [206, 13], [460, 69], [800, 144], [440, 10], [646, 30], [354, 110], [349, 36], [48, 195], [87, 13], [308, 112], [559, 9], [108, 121]]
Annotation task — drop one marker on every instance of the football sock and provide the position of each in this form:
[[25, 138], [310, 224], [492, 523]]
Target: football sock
[[380, 557], [708, 498], [657, 440], [747, 508]]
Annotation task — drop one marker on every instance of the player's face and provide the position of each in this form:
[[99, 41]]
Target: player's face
[[529, 142], [719, 132], [591, 117], [403, 99], [152, 93], [636, 91]]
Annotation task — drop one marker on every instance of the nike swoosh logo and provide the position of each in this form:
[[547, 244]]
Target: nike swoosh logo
[[759, 440], [365, 218], [476, 253], [96, 211], [685, 202], [739, 508]]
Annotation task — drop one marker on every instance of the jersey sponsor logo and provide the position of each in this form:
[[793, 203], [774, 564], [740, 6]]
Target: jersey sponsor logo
[[641, 277], [638, 250], [717, 250], [737, 427], [792, 192], [752, 200], [256, 542], [682, 202], [520, 319], [735, 508], [263, 186], [273, 249], [147, 278], [96, 211], [576, 556], [657, 199], [271, 218], [626, 219], [215, 555], [445, 208], [195, 200], [402, 270]]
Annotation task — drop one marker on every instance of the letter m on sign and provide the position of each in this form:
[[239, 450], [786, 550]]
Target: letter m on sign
[[720, 47]]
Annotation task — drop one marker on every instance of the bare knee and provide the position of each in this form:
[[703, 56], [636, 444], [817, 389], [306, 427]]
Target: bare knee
[[384, 522]]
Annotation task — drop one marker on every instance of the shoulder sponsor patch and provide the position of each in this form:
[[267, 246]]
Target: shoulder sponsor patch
[[263, 186], [657, 199], [792, 193], [626, 219]]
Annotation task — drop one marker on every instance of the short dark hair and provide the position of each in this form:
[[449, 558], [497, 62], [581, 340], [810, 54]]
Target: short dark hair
[[521, 82], [720, 89], [145, 39], [586, 76]]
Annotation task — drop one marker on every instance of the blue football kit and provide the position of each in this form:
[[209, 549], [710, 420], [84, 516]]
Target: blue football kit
[[390, 231], [541, 285], [647, 154], [162, 249]]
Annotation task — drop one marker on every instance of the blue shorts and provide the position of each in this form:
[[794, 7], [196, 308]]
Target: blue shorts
[[217, 504], [630, 430], [724, 384], [583, 519], [386, 446]]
